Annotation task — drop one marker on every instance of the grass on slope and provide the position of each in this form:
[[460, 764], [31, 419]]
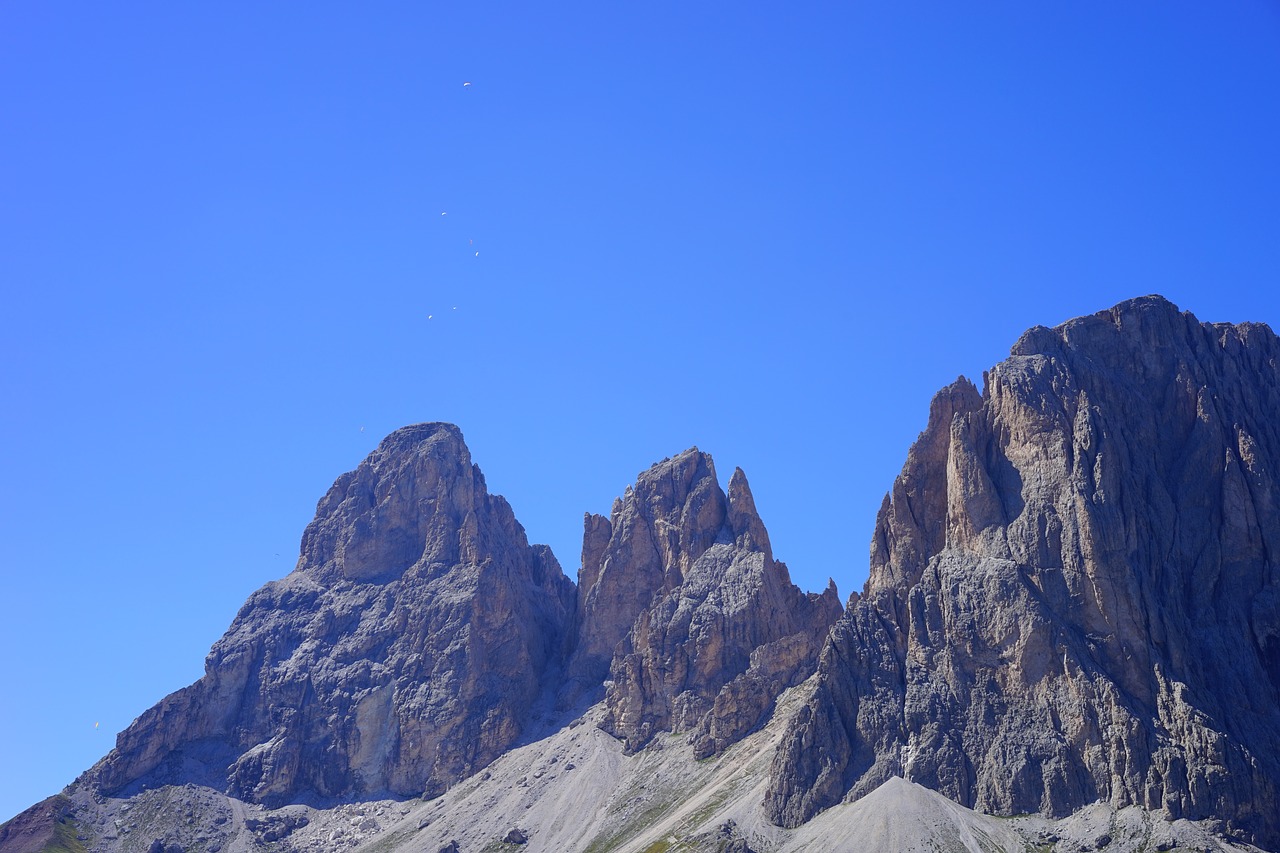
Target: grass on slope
[[64, 838]]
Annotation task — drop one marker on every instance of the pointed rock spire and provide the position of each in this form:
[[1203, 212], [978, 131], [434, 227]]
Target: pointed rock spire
[[697, 626]]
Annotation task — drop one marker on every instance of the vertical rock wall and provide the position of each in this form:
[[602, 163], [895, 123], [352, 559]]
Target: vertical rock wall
[[699, 627], [1073, 588]]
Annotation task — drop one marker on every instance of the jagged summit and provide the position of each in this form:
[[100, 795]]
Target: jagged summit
[[419, 629], [414, 500], [652, 536], [1072, 611], [1073, 588], [401, 654], [699, 627]]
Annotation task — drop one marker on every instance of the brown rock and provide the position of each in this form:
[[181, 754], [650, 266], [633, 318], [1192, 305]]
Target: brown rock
[[35, 829]]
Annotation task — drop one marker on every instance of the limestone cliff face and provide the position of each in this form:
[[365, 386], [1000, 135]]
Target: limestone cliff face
[[1075, 588], [400, 655], [699, 627], [652, 536]]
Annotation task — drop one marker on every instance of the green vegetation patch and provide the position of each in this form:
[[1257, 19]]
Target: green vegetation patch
[[65, 838]]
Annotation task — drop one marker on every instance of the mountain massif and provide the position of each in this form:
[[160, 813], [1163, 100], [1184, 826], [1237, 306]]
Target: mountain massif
[[1072, 620]]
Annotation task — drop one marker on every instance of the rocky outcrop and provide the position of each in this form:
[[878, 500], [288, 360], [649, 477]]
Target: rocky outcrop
[[681, 599], [401, 654], [652, 536], [419, 626], [1073, 608], [1074, 591]]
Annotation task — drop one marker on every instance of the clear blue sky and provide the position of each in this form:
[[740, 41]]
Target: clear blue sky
[[772, 230]]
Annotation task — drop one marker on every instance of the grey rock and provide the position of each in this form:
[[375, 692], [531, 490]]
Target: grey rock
[[729, 839], [1074, 601], [717, 630], [275, 827], [652, 537], [400, 655], [159, 846], [1074, 591]]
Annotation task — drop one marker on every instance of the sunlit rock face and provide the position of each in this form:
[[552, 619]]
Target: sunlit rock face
[[405, 651], [401, 655], [1074, 591], [1073, 603], [698, 626]]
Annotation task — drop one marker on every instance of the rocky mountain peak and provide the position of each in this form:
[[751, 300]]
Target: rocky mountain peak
[[685, 608], [912, 523], [743, 520], [1073, 609], [414, 500], [1073, 586], [401, 655], [652, 537]]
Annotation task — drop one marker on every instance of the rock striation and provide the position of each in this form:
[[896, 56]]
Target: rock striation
[[682, 604], [1075, 589], [399, 656]]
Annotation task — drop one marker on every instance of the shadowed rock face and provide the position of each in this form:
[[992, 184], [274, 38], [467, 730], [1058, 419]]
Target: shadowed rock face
[[1074, 592], [400, 655], [698, 626]]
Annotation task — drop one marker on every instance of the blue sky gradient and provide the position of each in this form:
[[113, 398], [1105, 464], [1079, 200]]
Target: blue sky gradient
[[770, 230]]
